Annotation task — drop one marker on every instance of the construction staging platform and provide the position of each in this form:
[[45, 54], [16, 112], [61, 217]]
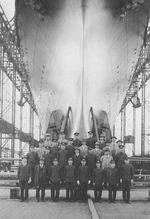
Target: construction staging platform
[[14, 209]]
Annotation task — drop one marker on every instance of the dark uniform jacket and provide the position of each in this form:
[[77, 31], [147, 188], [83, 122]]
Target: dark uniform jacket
[[62, 157], [48, 159], [54, 151], [83, 174], [32, 158], [90, 142], [77, 160], [102, 145], [70, 173], [91, 160], [127, 172], [23, 173], [54, 173], [119, 159], [98, 176], [77, 143], [112, 176], [41, 176], [70, 151]]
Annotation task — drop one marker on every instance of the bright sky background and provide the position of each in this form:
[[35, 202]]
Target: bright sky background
[[8, 7]]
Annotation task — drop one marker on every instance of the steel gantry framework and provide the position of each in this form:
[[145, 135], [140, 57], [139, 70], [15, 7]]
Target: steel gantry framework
[[12, 64], [138, 82]]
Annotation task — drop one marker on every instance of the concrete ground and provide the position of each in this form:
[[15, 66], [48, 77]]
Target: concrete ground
[[14, 209]]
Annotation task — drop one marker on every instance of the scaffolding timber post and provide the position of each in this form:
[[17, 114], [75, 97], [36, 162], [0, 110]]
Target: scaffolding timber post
[[31, 119], [13, 115], [134, 129], [143, 115], [123, 123], [40, 130], [1, 107], [21, 114]]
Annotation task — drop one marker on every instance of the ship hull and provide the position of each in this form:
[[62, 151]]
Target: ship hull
[[80, 54]]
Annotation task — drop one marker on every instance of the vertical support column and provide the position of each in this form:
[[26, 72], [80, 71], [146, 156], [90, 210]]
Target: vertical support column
[[113, 130], [31, 121], [1, 107], [13, 115], [124, 124], [134, 129], [40, 130], [21, 115], [121, 124], [143, 116]]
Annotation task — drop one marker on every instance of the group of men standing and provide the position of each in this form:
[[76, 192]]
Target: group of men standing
[[76, 165]]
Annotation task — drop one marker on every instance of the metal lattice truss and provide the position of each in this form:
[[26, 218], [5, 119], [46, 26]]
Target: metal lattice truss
[[11, 59], [142, 70]]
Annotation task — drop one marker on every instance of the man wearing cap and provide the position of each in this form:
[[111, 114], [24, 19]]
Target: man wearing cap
[[127, 173], [83, 179], [41, 149], [48, 140], [41, 177], [70, 148], [119, 159], [105, 160], [90, 141], [83, 148], [32, 159], [91, 163], [62, 159], [98, 180], [24, 177], [97, 151], [76, 141], [102, 143], [54, 179], [77, 157], [112, 181], [113, 146], [62, 139], [70, 179]]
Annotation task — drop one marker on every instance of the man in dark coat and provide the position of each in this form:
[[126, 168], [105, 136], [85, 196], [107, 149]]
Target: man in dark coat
[[127, 173], [70, 180], [83, 179], [119, 159], [91, 163], [90, 141], [62, 159], [32, 159], [77, 158], [24, 177], [54, 179], [98, 180], [70, 148], [40, 180], [76, 141], [112, 181]]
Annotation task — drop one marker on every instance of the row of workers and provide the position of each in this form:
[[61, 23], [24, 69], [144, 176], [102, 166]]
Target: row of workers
[[76, 180]]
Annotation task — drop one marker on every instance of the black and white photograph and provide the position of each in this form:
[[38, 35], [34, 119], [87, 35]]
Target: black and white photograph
[[74, 109]]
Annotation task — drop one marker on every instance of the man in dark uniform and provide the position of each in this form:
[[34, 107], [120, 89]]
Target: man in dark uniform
[[83, 179], [76, 141], [70, 148], [70, 179], [127, 173], [62, 159], [90, 141], [77, 158], [102, 143], [48, 161], [24, 178], [40, 180], [54, 179], [91, 163], [119, 160], [32, 159], [112, 181], [98, 180]]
